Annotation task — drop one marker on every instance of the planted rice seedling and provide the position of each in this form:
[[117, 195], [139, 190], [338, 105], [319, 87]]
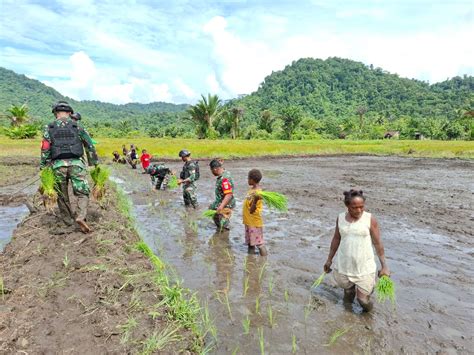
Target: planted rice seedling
[[274, 200], [173, 182], [318, 281], [385, 289], [270, 285], [336, 335], [158, 341], [236, 350], [209, 213], [257, 304], [246, 285], [286, 295], [100, 176], [261, 341], [2, 288], [48, 185], [246, 324], [294, 347], [271, 319], [66, 261], [262, 271], [207, 323]]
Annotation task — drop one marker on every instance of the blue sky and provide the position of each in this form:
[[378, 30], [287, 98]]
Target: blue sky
[[142, 51]]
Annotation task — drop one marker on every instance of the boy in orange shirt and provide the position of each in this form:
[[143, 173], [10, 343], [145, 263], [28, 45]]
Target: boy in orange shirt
[[252, 215]]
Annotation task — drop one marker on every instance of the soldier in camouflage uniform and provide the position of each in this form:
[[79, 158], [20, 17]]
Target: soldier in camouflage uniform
[[225, 201], [160, 175], [188, 177], [62, 149]]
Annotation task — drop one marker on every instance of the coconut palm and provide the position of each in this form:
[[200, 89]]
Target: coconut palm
[[204, 113], [18, 115]]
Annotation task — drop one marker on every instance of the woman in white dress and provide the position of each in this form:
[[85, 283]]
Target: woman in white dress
[[355, 267]]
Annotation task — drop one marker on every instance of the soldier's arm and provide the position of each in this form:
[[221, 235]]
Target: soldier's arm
[[192, 174], [89, 145], [45, 149]]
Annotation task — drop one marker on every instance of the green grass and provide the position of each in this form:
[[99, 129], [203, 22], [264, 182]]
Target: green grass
[[158, 341], [385, 289], [169, 148], [336, 335]]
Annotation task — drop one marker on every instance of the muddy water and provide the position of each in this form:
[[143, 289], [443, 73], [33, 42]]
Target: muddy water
[[424, 208], [10, 216]]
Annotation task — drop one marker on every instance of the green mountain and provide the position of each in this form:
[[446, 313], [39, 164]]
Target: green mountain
[[338, 87], [18, 89]]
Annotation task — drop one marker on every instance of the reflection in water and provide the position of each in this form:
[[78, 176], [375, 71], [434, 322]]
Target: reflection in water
[[191, 239], [220, 253]]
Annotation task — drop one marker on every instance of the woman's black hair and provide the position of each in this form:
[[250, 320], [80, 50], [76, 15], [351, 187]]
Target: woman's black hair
[[255, 175], [351, 194]]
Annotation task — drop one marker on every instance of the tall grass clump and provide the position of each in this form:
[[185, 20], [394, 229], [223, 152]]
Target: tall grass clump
[[145, 249], [173, 182], [100, 176], [48, 184], [274, 200], [385, 289]]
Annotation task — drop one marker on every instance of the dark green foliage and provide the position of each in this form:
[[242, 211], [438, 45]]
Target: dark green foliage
[[21, 132]]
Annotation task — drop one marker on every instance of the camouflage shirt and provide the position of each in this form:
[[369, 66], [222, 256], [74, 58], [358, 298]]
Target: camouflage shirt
[[86, 141], [189, 172], [224, 186]]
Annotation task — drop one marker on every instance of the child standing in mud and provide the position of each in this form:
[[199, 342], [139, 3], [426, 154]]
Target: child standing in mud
[[252, 215], [355, 267], [224, 201], [145, 160]]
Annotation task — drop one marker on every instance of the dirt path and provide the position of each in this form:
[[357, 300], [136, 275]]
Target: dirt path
[[64, 292], [424, 208]]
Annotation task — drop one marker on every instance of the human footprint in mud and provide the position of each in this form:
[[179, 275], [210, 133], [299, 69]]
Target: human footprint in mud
[[355, 267], [62, 149], [224, 201]]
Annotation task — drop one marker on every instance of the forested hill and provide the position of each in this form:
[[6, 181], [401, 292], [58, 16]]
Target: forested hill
[[339, 87], [16, 89]]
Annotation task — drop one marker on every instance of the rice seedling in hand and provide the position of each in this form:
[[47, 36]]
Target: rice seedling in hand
[[274, 200], [385, 289], [209, 213], [318, 281], [100, 176], [48, 188], [173, 182]]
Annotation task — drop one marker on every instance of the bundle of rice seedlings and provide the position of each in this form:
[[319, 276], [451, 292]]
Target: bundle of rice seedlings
[[173, 182], [274, 200], [100, 176], [47, 188], [209, 213], [318, 281], [385, 289]]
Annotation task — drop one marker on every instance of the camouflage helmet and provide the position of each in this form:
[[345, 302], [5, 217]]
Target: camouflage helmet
[[184, 153], [62, 106]]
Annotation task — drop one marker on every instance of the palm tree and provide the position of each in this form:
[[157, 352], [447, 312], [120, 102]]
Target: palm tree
[[204, 113], [236, 114], [361, 111], [18, 115]]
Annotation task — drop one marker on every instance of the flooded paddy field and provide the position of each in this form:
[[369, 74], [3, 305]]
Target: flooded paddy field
[[424, 208]]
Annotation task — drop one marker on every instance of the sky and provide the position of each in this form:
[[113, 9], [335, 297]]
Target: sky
[[123, 51]]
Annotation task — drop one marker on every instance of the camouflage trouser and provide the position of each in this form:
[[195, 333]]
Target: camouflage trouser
[[189, 195], [80, 187], [222, 220], [162, 182]]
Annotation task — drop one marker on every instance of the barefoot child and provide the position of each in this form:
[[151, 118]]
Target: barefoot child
[[145, 160], [355, 267], [252, 215]]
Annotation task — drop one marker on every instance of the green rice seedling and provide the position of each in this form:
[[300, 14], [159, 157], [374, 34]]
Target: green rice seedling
[[158, 341], [207, 323], [261, 341], [209, 213], [318, 281], [100, 176], [294, 347], [286, 295], [246, 324], [271, 318], [270, 286], [48, 185], [274, 200], [257, 304], [2, 288], [223, 298], [246, 285], [236, 350], [154, 314], [385, 289], [229, 256], [262, 271], [65, 261], [173, 182], [336, 335]]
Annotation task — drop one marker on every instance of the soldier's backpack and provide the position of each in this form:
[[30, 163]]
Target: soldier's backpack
[[65, 141], [183, 176]]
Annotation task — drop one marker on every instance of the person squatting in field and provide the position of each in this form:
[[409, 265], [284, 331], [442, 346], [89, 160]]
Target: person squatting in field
[[355, 268], [252, 214], [117, 158], [160, 175], [224, 201], [62, 149], [188, 177], [132, 156]]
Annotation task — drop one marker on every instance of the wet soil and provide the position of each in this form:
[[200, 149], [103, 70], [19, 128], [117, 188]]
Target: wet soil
[[424, 208], [63, 292]]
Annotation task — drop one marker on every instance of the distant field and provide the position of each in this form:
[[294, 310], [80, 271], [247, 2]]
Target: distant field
[[169, 148]]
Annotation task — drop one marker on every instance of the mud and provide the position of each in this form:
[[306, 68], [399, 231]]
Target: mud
[[63, 292], [424, 208]]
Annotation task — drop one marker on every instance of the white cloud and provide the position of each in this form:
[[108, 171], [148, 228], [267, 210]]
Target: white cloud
[[185, 89], [212, 83]]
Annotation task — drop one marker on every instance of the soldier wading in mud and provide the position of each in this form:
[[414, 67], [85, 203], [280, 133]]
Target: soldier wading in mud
[[62, 149], [188, 176]]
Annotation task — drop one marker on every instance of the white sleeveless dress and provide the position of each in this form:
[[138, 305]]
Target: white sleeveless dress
[[355, 255]]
